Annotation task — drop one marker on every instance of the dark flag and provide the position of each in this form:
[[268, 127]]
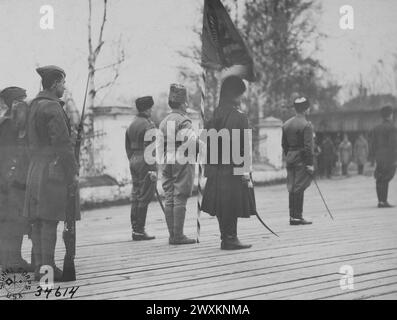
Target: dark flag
[[223, 47]]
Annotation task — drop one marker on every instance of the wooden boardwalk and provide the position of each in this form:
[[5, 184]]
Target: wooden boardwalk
[[304, 263]]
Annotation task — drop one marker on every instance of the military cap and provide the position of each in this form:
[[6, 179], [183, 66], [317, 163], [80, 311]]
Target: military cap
[[144, 103], [178, 93], [50, 71], [386, 111], [11, 94], [301, 104]]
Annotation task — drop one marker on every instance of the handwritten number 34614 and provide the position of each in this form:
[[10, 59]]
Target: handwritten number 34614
[[58, 293]]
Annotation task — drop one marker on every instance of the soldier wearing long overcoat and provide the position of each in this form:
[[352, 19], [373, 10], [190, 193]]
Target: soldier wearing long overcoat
[[14, 162], [52, 170], [227, 195]]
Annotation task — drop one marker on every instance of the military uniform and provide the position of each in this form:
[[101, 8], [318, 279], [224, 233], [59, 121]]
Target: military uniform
[[361, 153], [143, 186], [51, 171], [297, 143], [384, 152], [14, 161], [227, 194], [177, 178]]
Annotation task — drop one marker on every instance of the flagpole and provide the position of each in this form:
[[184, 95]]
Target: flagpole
[[200, 164]]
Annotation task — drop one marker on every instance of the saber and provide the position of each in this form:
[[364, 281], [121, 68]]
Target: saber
[[159, 200], [325, 203], [252, 198]]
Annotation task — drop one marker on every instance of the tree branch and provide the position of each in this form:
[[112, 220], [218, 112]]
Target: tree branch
[[89, 27], [100, 39]]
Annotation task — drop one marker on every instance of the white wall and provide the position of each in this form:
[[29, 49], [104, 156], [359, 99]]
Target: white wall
[[270, 144], [110, 151]]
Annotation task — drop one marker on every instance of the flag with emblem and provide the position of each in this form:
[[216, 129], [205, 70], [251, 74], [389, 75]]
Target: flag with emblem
[[223, 48]]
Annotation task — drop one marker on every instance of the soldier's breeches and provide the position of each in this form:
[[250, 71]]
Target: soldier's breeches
[[142, 193]]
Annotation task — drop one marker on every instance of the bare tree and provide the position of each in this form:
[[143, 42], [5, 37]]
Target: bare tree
[[94, 51]]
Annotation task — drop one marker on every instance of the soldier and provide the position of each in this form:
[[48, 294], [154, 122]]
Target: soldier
[[328, 155], [297, 143], [345, 151], [226, 194], [361, 153], [143, 175], [52, 170], [14, 162], [384, 152], [177, 178]]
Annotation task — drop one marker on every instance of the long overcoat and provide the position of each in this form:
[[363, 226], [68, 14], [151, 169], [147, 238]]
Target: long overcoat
[[53, 163], [14, 162], [226, 193]]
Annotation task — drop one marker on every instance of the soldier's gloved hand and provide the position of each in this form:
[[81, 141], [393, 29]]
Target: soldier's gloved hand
[[310, 169], [153, 175]]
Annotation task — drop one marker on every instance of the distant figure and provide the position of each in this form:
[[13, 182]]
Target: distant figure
[[143, 175], [384, 152], [361, 153], [297, 143], [328, 153], [345, 150]]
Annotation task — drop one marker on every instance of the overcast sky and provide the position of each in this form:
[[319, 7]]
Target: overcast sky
[[153, 31]]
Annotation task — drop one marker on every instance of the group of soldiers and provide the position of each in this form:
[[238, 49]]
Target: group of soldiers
[[38, 167], [328, 155], [177, 178]]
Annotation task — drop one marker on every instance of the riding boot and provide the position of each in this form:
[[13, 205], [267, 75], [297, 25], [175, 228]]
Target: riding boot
[[291, 205], [133, 214], [379, 192], [169, 218], [230, 240], [138, 232], [298, 201], [179, 221], [48, 243]]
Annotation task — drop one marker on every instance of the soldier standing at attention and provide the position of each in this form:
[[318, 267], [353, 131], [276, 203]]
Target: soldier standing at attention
[[226, 194], [14, 162], [297, 143], [52, 170], [177, 178], [384, 152], [143, 175]]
